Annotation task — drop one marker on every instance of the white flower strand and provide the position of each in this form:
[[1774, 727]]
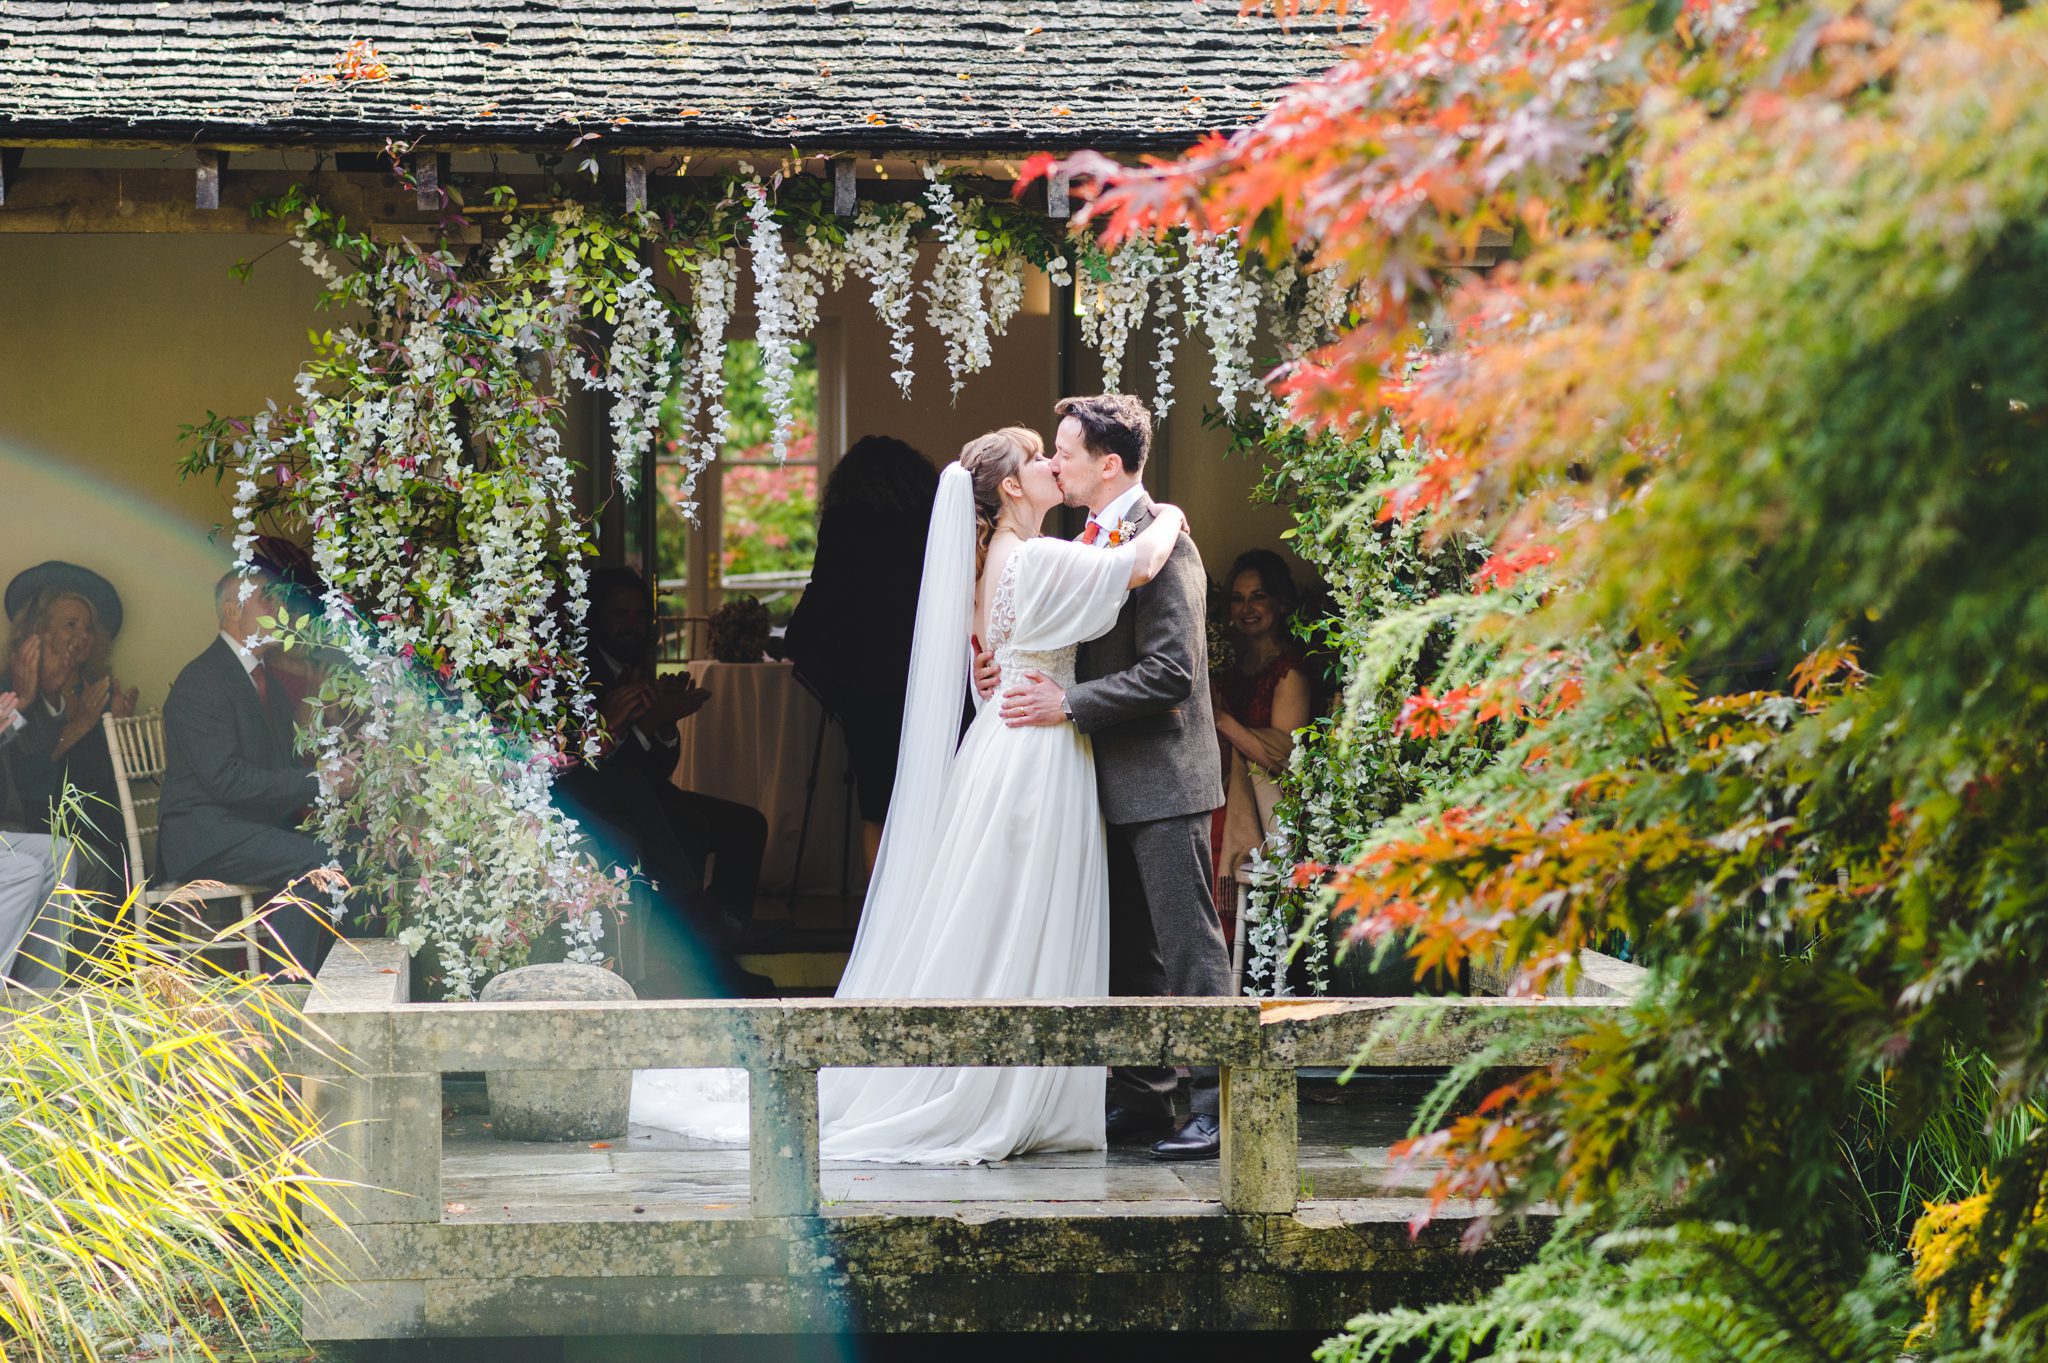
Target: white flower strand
[[1229, 307], [957, 308], [811, 272], [1309, 308], [1113, 304], [774, 319], [637, 372], [712, 293], [882, 252], [1005, 291]]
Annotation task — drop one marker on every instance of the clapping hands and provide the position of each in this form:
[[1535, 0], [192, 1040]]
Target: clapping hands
[[659, 703], [121, 701], [25, 669], [83, 717], [677, 698]]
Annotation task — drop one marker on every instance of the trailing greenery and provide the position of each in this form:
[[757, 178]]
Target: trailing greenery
[[1378, 638]]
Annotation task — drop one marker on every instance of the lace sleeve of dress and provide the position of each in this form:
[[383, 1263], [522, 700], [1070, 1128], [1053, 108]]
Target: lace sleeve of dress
[[1002, 605]]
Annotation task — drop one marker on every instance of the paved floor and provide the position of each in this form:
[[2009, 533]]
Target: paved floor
[[1345, 1132]]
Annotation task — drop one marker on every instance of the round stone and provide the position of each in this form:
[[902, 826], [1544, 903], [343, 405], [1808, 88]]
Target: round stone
[[558, 1105]]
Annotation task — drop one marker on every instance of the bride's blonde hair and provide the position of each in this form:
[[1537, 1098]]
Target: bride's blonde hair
[[989, 459]]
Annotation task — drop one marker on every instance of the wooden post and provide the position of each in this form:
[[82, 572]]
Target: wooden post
[[636, 184], [845, 192], [426, 177], [1261, 1157], [1058, 198], [206, 190], [782, 1150], [10, 170]]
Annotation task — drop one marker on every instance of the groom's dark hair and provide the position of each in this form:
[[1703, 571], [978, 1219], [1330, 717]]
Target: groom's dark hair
[[1113, 423]]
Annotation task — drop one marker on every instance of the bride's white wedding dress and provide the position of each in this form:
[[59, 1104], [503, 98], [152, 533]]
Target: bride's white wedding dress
[[996, 889]]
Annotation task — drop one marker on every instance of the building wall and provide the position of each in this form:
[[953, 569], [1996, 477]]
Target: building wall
[[110, 343]]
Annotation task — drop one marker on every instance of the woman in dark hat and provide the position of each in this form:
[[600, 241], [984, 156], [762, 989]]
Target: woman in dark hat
[[63, 618]]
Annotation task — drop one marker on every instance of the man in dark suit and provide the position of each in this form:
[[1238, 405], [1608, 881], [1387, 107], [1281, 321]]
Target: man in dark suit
[[233, 789], [627, 797], [1143, 695]]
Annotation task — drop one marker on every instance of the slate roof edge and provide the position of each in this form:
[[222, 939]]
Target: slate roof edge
[[707, 136]]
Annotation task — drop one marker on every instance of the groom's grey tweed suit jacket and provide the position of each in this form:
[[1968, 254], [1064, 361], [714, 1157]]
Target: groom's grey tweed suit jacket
[[1143, 696]]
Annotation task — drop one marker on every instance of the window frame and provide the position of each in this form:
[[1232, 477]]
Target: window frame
[[704, 590]]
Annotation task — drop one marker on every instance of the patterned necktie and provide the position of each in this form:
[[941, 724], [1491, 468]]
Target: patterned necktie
[[1092, 533], [261, 676]]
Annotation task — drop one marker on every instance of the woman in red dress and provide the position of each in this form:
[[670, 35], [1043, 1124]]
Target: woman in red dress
[[1260, 699]]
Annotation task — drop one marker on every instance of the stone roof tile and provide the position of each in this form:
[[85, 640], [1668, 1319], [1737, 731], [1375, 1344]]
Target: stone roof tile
[[817, 73]]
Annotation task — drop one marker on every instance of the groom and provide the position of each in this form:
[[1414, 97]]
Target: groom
[[1143, 694]]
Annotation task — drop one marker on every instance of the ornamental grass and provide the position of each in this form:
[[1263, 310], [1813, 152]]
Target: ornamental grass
[[155, 1182]]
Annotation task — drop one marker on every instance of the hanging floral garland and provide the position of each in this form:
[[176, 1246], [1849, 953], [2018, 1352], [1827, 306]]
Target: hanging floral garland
[[775, 322], [957, 306], [1115, 293], [1308, 307], [1229, 308], [714, 288], [423, 453], [882, 251]]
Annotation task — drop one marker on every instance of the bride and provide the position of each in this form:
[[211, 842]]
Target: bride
[[992, 882]]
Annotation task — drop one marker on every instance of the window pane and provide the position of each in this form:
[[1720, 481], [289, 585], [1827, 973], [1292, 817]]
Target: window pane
[[769, 512]]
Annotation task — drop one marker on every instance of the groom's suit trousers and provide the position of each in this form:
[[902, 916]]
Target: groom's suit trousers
[[1164, 939]]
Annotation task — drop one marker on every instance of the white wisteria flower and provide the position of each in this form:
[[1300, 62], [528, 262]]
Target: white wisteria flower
[[1229, 308], [713, 291], [775, 328], [1113, 302], [957, 305], [883, 252], [638, 372]]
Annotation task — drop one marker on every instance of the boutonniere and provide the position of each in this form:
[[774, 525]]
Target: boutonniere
[[1123, 533]]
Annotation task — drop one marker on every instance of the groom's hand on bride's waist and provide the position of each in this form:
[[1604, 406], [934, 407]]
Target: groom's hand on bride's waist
[[1038, 700]]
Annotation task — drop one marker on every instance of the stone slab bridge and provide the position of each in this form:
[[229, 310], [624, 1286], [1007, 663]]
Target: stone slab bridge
[[455, 1234]]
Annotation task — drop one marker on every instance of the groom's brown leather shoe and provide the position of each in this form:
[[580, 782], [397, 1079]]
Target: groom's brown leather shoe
[[1130, 1125], [1200, 1138]]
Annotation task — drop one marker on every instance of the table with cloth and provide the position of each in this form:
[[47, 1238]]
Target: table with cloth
[[753, 742]]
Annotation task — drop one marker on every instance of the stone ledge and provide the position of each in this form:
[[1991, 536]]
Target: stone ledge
[[980, 1269]]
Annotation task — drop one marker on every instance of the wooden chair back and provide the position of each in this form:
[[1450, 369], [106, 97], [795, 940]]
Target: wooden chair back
[[137, 747]]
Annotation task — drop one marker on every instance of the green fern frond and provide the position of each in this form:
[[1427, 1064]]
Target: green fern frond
[[1692, 1292]]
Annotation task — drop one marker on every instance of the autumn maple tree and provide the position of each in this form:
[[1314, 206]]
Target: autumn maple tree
[[1752, 417]]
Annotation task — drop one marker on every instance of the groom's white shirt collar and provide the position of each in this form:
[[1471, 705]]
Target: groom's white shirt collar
[[1118, 510]]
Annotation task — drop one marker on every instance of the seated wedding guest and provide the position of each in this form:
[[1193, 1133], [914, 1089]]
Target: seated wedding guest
[[849, 639], [628, 793], [34, 880], [1260, 699], [234, 788], [63, 622]]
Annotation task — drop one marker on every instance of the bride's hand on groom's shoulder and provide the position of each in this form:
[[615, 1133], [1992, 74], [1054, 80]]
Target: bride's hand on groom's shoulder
[[1169, 509], [987, 676]]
